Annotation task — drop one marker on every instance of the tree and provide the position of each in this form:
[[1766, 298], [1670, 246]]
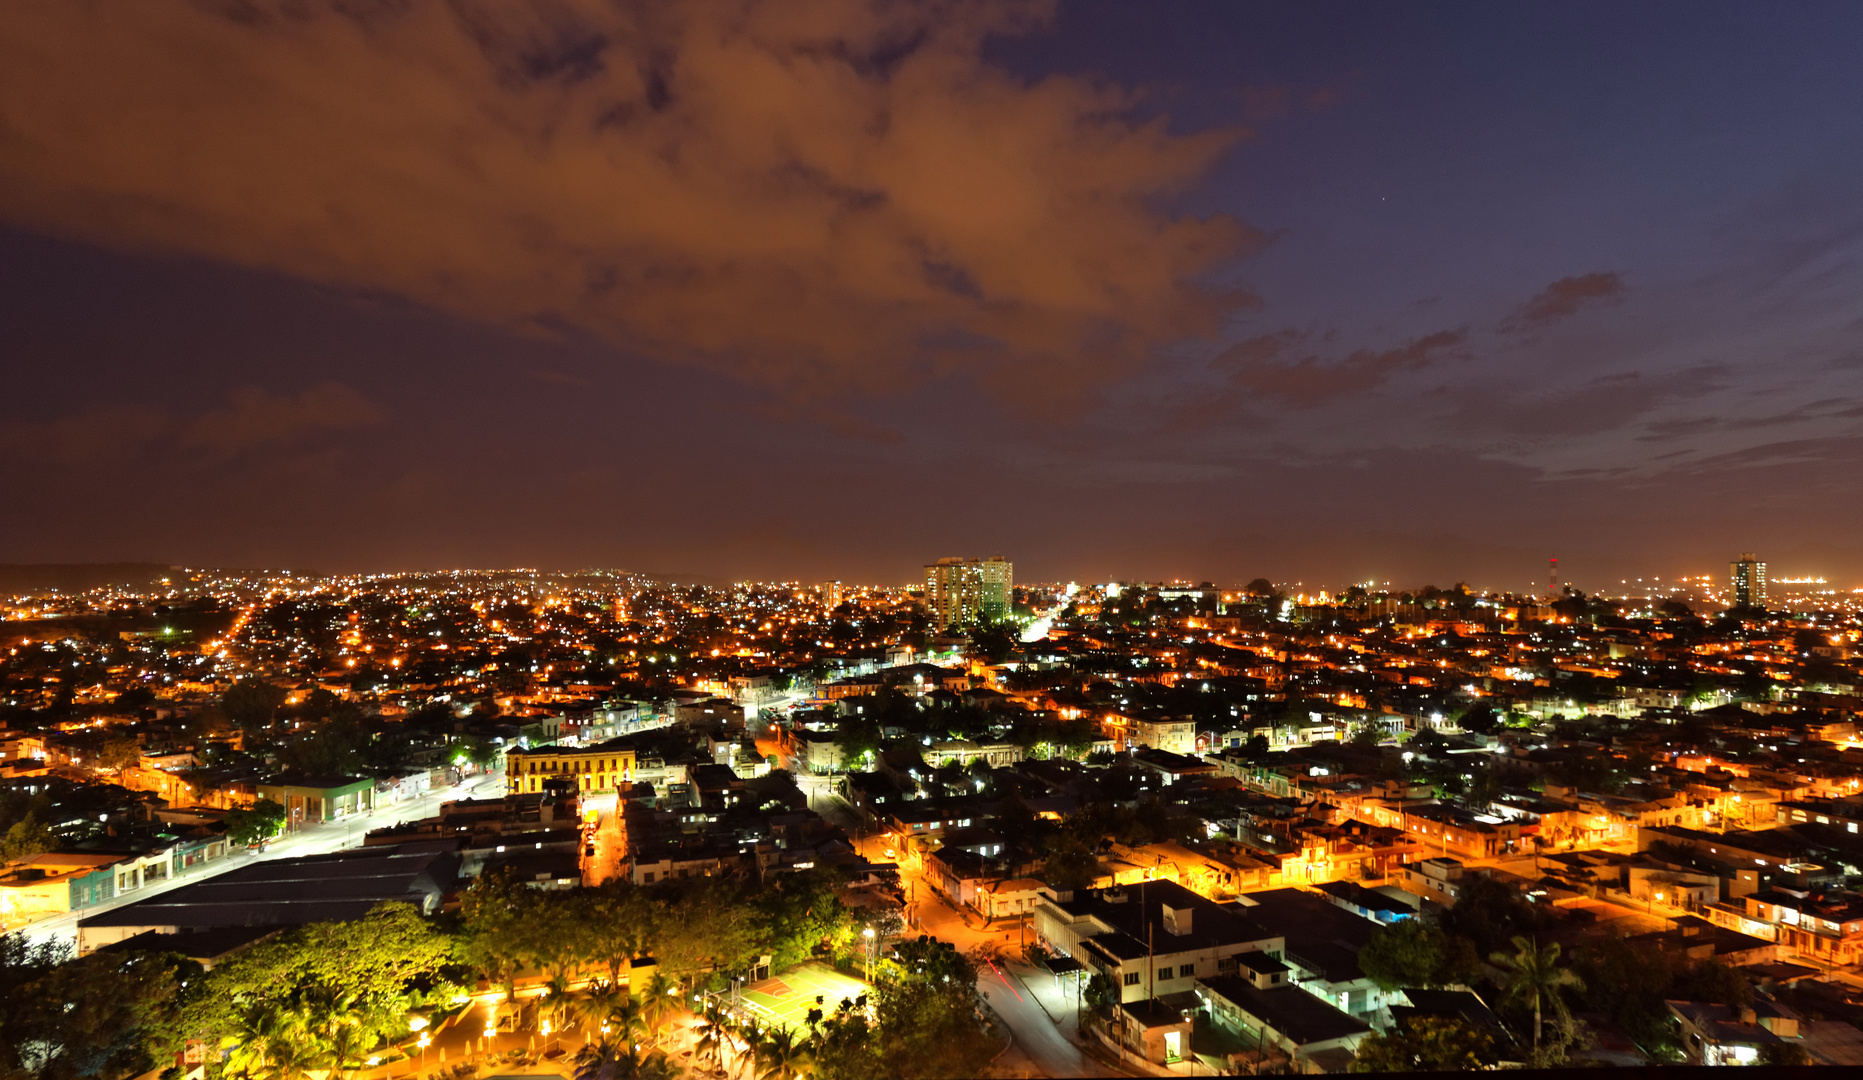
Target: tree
[[106, 1014], [613, 924], [359, 975], [1784, 1054], [994, 641], [703, 924], [1426, 1044], [334, 747], [1489, 913], [1629, 982], [119, 754], [1533, 978], [598, 1001], [711, 1033], [925, 1007], [659, 1001], [263, 821], [1427, 741], [843, 1047], [1072, 866], [27, 839], [252, 703], [494, 913], [1481, 719], [626, 1021], [783, 1058], [613, 1058], [273, 1042], [1099, 992], [346, 1035], [1714, 981], [1406, 953], [479, 752]]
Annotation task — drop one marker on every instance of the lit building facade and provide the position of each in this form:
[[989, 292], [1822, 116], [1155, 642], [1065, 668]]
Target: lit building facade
[[593, 768], [1749, 580], [960, 591]]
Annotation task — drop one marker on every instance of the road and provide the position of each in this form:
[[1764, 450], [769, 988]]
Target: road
[[609, 839], [1041, 1016], [310, 840], [1038, 1010], [1038, 629]]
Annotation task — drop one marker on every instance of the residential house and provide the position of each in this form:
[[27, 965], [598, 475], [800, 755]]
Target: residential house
[[1149, 939]]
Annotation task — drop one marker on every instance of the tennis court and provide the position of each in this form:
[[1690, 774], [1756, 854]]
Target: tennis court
[[786, 999]]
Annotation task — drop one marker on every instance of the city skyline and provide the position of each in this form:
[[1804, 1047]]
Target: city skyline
[[1804, 588]]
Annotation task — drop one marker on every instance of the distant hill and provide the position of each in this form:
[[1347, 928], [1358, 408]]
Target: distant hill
[[18, 578]]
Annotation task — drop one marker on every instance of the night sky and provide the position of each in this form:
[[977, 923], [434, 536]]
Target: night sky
[[1323, 292]]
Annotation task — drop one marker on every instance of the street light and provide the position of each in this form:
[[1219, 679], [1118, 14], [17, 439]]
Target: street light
[[871, 945]]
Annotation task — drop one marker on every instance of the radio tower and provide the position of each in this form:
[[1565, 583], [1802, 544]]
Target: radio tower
[[1552, 579]]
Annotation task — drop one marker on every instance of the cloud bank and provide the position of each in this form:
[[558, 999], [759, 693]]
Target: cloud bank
[[1256, 365], [1563, 299], [252, 420], [838, 194]]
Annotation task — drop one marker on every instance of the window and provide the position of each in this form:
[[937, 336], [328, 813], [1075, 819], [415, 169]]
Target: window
[[1132, 978]]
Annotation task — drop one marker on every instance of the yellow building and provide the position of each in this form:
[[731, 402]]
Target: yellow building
[[602, 767]]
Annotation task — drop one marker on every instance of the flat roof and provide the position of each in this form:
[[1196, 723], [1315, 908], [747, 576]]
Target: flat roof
[[286, 892], [1296, 1014]]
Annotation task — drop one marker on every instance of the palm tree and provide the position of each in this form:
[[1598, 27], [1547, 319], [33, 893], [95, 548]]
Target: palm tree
[[605, 1059], [783, 1057], [598, 1000], [625, 1022], [752, 1035], [713, 1029], [612, 1059], [274, 1044], [344, 1029], [345, 1046], [1533, 977], [294, 1061], [558, 1006], [659, 1000]]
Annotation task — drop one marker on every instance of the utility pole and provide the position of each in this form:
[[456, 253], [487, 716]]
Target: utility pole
[[1151, 959]]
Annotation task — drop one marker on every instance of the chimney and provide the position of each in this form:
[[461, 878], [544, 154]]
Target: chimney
[[1177, 920]]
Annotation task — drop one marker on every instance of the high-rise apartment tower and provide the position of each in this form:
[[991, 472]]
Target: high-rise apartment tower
[[1749, 575], [960, 591]]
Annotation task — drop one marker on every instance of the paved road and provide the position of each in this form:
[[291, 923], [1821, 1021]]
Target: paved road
[[1038, 1016], [1038, 1012], [610, 841], [311, 840]]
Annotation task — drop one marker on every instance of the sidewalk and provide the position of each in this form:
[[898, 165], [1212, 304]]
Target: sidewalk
[[1047, 991]]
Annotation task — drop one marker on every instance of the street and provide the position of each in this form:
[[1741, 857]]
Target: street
[[1039, 1011], [609, 839], [310, 840]]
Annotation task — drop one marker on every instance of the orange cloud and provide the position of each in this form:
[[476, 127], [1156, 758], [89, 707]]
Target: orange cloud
[[831, 194]]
